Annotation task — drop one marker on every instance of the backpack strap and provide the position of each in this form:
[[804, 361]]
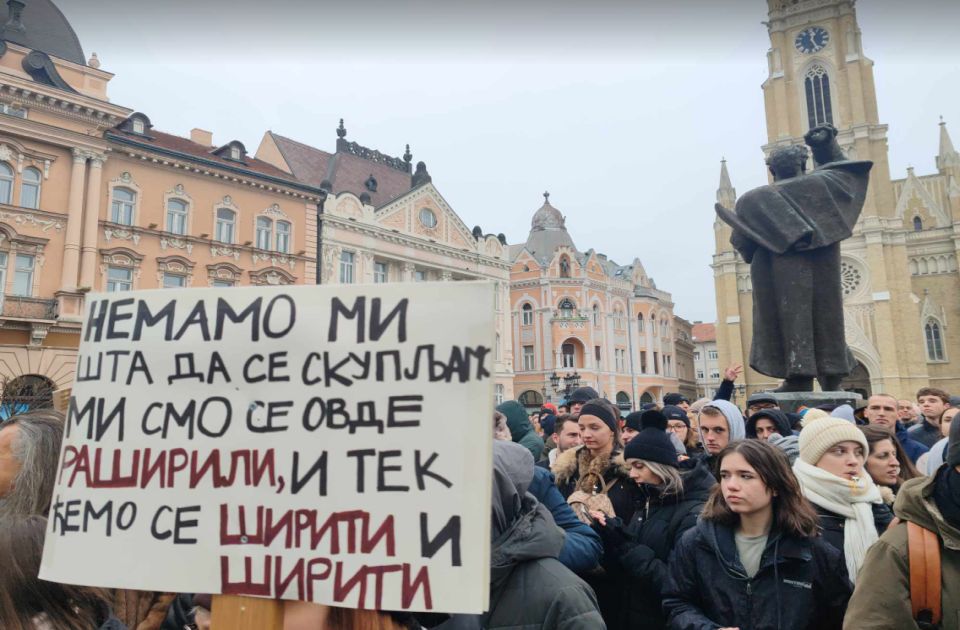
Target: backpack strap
[[924, 551]]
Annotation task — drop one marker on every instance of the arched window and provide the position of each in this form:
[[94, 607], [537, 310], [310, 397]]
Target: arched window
[[640, 322], [817, 87], [646, 398], [526, 312], [564, 267], [496, 348], [30, 188], [226, 223], [6, 183], [663, 328], [531, 399], [596, 314], [917, 224], [567, 308], [568, 355], [283, 237], [623, 401], [122, 206], [176, 216], [934, 341], [24, 393], [264, 232]]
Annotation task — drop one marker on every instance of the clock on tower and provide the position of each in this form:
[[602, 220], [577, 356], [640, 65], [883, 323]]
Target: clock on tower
[[811, 40]]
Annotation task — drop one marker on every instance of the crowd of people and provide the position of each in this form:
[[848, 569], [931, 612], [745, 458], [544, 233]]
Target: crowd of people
[[686, 515]]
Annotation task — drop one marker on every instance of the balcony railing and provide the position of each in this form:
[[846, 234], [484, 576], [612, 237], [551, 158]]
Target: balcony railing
[[28, 307]]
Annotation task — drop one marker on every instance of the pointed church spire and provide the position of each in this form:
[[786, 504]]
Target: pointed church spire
[[948, 155], [726, 194]]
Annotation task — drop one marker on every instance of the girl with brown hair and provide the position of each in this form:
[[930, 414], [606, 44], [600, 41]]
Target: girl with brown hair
[[29, 603], [887, 463], [755, 559]]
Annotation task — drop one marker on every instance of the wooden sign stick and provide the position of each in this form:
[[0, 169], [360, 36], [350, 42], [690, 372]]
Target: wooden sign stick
[[246, 613]]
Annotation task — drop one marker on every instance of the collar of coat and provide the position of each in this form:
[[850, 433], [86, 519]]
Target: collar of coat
[[575, 463]]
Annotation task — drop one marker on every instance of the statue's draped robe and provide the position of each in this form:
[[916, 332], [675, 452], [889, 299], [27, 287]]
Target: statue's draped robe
[[790, 233]]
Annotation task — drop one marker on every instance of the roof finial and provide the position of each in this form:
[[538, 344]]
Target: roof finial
[[94, 61], [341, 130], [546, 197], [407, 156], [14, 20]]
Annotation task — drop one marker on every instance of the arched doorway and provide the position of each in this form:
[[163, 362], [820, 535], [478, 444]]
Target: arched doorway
[[572, 354], [858, 381], [23, 393], [646, 398], [532, 400], [623, 401]]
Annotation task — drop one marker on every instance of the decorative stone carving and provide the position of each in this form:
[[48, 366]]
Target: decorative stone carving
[[121, 234], [45, 225], [271, 276], [275, 259], [224, 250], [275, 211], [330, 257], [175, 243], [6, 154]]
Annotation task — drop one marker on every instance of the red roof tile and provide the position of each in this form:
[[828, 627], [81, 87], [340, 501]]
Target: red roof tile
[[187, 147], [704, 332]]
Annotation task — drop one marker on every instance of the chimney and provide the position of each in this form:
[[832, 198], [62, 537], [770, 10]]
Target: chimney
[[202, 136]]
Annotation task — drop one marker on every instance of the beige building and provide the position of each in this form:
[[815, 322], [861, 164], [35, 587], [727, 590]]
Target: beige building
[[706, 359], [579, 318], [93, 198], [683, 344], [384, 221], [900, 277]]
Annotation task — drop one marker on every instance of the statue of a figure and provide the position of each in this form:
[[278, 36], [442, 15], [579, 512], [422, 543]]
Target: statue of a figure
[[790, 233]]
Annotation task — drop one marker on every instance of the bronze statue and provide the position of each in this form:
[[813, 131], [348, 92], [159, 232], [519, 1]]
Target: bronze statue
[[790, 233]]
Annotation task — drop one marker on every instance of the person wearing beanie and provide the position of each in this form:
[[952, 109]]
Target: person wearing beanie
[[760, 401], [831, 473], [521, 430], [548, 424], [637, 550], [882, 597], [765, 423], [812, 415], [597, 467], [677, 400], [678, 424], [579, 397], [631, 427]]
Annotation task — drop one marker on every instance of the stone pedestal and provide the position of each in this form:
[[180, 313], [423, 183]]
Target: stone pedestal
[[791, 401]]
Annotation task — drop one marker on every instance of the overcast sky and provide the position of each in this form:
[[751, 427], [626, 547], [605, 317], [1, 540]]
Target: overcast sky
[[622, 110]]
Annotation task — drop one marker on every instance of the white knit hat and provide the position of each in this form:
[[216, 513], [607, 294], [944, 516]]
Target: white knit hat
[[819, 437]]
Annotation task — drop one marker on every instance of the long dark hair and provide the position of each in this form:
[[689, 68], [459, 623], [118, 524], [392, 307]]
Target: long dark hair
[[876, 435], [792, 513], [23, 596]]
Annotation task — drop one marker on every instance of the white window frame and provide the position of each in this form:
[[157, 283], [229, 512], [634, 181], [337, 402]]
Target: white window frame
[[347, 267], [381, 272], [167, 274], [29, 270], [283, 231], [174, 215], [526, 314], [115, 284], [221, 225], [529, 358], [35, 184], [263, 234], [119, 207]]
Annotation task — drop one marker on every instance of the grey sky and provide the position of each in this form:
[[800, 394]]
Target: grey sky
[[622, 110]]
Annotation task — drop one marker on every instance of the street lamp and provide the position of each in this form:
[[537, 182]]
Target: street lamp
[[555, 382]]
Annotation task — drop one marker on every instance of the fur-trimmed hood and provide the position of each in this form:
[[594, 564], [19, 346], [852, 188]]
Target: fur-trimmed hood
[[570, 462]]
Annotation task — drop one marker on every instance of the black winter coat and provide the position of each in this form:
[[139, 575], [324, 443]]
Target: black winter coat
[[832, 524], [637, 553], [802, 584]]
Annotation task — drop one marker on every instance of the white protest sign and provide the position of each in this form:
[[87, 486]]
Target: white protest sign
[[330, 444]]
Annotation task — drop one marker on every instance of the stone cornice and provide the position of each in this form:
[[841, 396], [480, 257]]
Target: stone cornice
[[28, 93], [400, 238]]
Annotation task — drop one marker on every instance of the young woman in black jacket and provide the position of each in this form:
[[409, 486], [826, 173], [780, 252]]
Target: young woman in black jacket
[[636, 551], [755, 559]]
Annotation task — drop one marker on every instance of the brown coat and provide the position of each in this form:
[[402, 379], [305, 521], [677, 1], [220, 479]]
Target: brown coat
[[141, 610]]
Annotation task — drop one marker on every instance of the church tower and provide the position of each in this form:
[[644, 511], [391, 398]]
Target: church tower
[[818, 73]]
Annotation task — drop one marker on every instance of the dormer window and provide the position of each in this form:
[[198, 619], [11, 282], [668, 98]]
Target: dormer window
[[138, 126], [234, 153], [371, 184]]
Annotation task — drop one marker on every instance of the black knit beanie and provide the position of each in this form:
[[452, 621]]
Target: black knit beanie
[[672, 412], [633, 421], [600, 411], [652, 444]]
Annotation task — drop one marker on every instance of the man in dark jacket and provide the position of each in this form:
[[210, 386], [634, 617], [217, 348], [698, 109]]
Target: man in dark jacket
[[933, 402], [529, 588], [765, 423], [520, 428], [882, 412]]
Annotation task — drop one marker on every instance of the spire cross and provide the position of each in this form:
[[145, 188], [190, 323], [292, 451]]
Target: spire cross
[[546, 197]]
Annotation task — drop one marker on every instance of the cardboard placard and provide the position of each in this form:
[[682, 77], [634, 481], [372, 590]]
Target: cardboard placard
[[327, 444]]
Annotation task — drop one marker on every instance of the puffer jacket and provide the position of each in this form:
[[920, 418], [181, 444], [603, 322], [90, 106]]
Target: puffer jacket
[[801, 584], [832, 524], [521, 430], [882, 596], [581, 547], [529, 588], [636, 553]]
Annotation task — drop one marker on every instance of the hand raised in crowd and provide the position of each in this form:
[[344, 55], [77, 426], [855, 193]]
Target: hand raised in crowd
[[732, 372], [600, 517]]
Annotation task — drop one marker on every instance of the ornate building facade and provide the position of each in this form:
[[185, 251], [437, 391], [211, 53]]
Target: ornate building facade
[[706, 359], [579, 318], [900, 276], [384, 221]]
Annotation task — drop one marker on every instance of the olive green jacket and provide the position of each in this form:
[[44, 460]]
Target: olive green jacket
[[882, 595]]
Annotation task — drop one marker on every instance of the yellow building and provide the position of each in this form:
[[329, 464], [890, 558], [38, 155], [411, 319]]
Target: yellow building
[[899, 269], [580, 317]]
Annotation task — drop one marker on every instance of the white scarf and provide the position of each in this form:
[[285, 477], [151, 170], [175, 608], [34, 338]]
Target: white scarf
[[850, 499]]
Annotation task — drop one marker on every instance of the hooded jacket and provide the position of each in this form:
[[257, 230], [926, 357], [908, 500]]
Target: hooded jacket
[[777, 417], [801, 583], [637, 552], [529, 588], [911, 447], [734, 418], [521, 429], [882, 596]]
